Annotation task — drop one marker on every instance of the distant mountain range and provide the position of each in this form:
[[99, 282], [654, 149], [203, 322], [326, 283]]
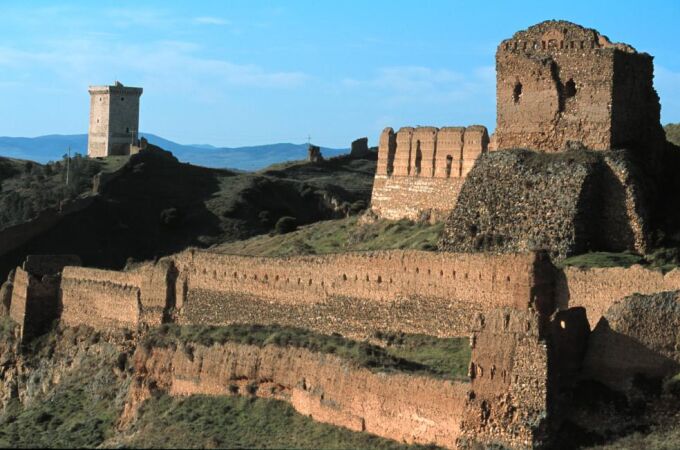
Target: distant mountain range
[[52, 147]]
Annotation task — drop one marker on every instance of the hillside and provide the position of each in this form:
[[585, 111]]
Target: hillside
[[83, 408], [43, 149], [155, 205]]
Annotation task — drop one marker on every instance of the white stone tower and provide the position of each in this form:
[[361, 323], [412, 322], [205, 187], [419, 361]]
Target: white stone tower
[[114, 120]]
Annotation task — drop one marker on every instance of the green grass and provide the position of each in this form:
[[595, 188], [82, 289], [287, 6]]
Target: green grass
[[443, 358], [228, 422], [82, 408], [342, 235], [603, 259], [663, 259]]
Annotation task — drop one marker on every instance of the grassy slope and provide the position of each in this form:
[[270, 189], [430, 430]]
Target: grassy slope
[[227, 422], [663, 259], [341, 235]]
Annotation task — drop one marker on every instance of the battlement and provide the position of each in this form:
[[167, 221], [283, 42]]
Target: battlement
[[420, 170]]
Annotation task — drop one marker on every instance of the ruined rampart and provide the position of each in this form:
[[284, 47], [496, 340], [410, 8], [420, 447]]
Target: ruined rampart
[[34, 304], [409, 408], [508, 401], [108, 299], [356, 294], [421, 170]]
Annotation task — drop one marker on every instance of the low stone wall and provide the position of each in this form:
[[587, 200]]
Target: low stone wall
[[597, 289], [407, 408]]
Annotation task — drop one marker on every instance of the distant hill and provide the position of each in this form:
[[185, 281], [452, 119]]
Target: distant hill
[[51, 148]]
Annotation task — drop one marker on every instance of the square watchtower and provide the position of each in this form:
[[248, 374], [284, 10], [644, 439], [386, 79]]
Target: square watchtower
[[114, 120], [559, 82]]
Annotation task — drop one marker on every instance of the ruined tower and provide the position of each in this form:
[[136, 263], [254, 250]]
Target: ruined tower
[[114, 120], [559, 82]]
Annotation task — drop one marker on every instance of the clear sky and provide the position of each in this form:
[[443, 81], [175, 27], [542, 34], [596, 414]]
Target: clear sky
[[234, 73]]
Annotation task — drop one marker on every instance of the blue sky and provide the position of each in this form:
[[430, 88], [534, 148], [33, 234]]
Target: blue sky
[[234, 73]]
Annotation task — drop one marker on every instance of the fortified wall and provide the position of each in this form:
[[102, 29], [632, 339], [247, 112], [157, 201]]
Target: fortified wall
[[356, 294], [421, 170], [522, 350]]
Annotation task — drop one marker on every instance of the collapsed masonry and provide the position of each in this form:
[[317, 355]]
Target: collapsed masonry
[[526, 321]]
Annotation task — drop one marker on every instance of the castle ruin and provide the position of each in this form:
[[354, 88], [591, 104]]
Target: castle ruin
[[114, 120], [559, 86]]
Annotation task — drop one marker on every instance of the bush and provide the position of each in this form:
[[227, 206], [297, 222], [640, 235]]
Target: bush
[[286, 224]]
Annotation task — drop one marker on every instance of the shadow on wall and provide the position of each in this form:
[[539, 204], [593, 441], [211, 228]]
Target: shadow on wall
[[622, 362]]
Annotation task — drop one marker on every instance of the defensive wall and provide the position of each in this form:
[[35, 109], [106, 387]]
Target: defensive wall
[[420, 170], [437, 293], [107, 299], [356, 294], [522, 350], [404, 407], [505, 401]]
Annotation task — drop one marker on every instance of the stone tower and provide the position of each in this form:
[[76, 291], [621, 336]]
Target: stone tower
[[559, 82], [114, 120]]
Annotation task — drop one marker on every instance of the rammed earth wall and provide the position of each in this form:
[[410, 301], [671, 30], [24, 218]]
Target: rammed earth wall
[[409, 408], [356, 293]]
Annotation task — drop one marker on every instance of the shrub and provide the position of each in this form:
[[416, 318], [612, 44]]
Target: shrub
[[286, 224]]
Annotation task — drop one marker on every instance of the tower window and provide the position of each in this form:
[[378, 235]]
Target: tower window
[[517, 92]]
